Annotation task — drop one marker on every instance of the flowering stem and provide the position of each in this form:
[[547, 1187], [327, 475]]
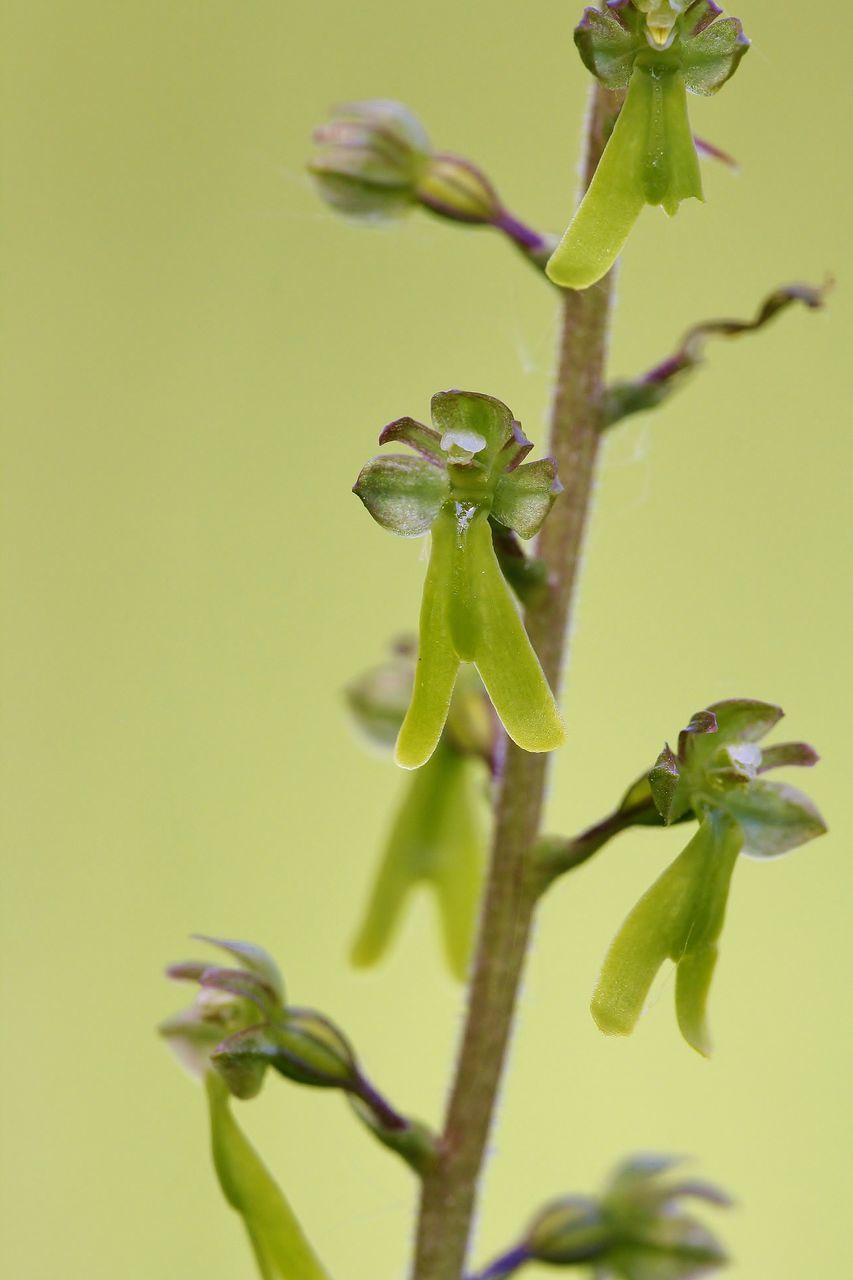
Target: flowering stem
[[450, 1189]]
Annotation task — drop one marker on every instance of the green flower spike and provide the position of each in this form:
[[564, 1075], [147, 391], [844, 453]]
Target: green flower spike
[[658, 50], [715, 775], [468, 469]]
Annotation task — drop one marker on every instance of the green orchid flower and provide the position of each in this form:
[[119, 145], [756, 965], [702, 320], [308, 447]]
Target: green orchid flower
[[659, 50], [468, 469], [437, 839], [238, 1029], [226, 1004], [637, 1229], [715, 777]]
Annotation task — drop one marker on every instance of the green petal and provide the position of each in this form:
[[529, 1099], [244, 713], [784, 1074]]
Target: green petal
[[281, 1250], [435, 841], [611, 206], [503, 654], [679, 918], [466, 413], [437, 665]]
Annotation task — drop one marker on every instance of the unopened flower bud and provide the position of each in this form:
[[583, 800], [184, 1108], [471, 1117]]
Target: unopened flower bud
[[370, 158], [374, 161], [567, 1231], [311, 1050], [379, 699], [456, 188]]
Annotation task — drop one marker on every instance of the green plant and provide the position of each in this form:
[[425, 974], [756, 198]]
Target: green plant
[[472, 711]]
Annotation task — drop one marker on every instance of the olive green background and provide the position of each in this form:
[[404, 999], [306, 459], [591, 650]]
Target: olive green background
[[197, 357]]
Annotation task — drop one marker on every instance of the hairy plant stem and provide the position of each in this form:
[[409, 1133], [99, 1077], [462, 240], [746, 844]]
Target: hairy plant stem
[[449, 1191]]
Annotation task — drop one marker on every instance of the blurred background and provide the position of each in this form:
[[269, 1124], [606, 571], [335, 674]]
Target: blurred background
[[197, 359]]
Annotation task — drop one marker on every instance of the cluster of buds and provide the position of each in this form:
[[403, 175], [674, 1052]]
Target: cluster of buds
[[468, 468], [437, 836], [636, 1230], [240, 1026], [715, 776], [374, 162], [659, 50]]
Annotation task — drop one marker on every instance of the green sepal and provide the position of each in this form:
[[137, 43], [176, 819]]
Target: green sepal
[[641, 1185], [673, 1249], [192, 1038], [679, 918], [773, 817], [463, 416], [251, 957], [245, 985], [742, 720], [568, 1231], [312, 1050], [524, 497], [243, 1058], [608, 40], [403, 494], [280, 1247], [436, 841], [638, 801], [666, 787], [712, 56], [468, 614]]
